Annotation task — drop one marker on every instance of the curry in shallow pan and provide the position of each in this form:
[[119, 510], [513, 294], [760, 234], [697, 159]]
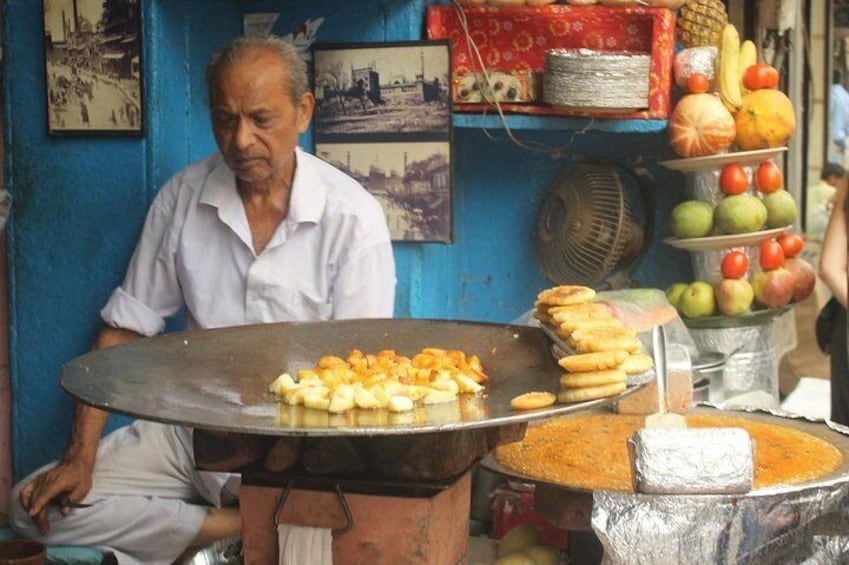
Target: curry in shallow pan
[[588, 452]]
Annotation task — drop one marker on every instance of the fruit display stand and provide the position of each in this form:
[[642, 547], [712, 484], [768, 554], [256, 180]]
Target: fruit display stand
[[749, 338]]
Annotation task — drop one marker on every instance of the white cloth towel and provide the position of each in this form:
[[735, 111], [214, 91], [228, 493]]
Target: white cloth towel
[[302, 544]]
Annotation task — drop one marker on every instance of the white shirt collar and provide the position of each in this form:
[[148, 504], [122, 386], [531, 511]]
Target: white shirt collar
[[306, 203]]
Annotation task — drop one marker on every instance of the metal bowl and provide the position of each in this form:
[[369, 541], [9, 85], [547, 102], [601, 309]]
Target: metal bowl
[[223, 552]]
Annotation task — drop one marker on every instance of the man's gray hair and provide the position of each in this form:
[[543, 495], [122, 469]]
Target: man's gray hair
[[293, 64]]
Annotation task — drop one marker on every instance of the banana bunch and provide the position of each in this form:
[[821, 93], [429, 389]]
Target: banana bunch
[[728, 68], [748, 57], [733, 58]]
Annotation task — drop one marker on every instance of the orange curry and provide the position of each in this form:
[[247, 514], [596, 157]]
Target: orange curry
[[591, 451]]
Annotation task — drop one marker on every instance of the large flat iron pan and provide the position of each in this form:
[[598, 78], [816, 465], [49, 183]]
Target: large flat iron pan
[[218, 379]]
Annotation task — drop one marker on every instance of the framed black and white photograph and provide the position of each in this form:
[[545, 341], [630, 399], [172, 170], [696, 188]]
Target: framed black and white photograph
[[93, 67], [383, 114], [412, 181], [383, 88]]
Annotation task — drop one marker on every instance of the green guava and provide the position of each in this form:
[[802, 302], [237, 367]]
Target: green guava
[[691, 218]]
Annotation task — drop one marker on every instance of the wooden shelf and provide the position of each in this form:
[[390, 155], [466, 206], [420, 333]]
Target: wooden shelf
[[536, 122]]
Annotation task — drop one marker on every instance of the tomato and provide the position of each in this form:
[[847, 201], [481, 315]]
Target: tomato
[[768, 177], [772, 255], [698, 83], [791, 244], [733, 179], [760, 75], [735, 264]]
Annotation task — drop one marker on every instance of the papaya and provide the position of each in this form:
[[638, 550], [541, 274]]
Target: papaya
[[765, 119]]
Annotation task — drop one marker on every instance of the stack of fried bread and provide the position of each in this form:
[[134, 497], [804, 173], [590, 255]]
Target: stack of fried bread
[[605, 351]]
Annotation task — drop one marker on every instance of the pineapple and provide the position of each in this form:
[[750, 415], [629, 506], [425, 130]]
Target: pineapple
[[700, 22]]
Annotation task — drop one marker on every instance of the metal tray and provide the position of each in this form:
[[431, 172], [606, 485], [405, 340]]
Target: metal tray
[[218, 378], [754, 318]]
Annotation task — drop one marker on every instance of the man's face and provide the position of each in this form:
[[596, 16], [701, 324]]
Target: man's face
[[256, 124]]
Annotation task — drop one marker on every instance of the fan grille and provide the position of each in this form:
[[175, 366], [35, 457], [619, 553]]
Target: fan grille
[[584, 225]]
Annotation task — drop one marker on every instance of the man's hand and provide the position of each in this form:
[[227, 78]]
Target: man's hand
[[70, 479]]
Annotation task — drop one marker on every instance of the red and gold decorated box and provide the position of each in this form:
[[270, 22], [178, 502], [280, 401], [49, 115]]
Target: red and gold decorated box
[[514, 40]]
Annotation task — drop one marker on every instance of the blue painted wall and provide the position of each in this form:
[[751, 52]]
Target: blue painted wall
[[80, 202]]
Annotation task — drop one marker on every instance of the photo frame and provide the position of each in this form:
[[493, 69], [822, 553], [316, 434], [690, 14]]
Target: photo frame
[[383, 116], [93, 67]]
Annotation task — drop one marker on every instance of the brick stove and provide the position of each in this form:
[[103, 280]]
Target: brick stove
[[388, 499], [379, 528]]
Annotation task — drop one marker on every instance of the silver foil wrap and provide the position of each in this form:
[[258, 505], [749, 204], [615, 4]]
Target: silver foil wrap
[[691, 460], [777, 525], [585, 78], [750, 376], [694, 60], [704, 185], [707, 263]]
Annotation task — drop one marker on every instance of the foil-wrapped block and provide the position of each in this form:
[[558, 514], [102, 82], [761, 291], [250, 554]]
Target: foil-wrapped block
[[694, 60], [691, 460]]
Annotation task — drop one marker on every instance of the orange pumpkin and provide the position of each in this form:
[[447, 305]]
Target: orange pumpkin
[[700, 125], [765, 119]]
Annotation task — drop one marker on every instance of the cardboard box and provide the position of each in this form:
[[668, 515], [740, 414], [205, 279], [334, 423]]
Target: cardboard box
[[509, 87]]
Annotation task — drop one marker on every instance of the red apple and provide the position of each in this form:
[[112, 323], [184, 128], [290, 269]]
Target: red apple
[[804, 276], [774, 288]]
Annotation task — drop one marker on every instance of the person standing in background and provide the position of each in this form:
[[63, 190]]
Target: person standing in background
[[838, 120], [821, 201], [833, 272]]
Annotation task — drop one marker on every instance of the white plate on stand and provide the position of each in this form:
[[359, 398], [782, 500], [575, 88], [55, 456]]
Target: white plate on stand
[[753, 318], [716, 161], [725, 241]]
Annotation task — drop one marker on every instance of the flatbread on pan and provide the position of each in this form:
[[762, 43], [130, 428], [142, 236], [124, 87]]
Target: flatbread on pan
[[566, 294], [592, 378], [595, 361], [590, 393]]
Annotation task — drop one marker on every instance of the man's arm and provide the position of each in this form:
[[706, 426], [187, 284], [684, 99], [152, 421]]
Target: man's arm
[[71, 477], [833, 258], [89, 421]]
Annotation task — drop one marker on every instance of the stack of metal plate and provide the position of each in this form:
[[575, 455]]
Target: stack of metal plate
[[600, 80]]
